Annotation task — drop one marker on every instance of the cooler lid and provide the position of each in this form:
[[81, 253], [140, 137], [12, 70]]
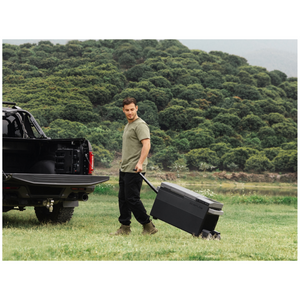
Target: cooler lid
[[191, 194]]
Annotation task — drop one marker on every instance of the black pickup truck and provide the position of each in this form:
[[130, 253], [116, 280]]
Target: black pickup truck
[[50, 174]]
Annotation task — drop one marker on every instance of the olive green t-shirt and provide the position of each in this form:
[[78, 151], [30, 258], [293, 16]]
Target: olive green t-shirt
[[131, 145]]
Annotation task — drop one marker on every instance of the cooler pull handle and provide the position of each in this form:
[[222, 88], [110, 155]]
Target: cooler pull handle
[[215, 212], [147, 181]]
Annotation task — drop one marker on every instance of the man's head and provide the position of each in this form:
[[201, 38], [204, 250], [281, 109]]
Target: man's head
[[128, 101], [130, 109]]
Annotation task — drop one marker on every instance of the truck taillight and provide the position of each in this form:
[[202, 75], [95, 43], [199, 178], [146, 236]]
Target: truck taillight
[[11, 187], [91, 162]]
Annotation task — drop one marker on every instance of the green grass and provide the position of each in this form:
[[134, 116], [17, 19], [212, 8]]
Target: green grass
[[251, 229]]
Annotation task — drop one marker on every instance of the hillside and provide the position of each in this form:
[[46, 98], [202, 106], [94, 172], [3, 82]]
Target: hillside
[[205, 109]]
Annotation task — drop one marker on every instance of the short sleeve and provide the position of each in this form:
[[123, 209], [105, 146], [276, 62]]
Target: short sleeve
[[142, 131]]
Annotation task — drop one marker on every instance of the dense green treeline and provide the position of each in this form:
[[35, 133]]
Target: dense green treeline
[[205, 110]]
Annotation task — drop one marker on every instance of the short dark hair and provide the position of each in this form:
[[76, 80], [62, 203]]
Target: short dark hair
[[128, 101]]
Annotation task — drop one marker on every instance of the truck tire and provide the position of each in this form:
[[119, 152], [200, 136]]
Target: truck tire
[[59, 214]]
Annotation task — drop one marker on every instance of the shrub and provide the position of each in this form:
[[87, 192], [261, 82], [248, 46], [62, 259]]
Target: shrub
[[166, 157], [271, 153], [196, 156], [286, 160], [198, 138], [259, 163], [102, 156], [238, 156], [220, 148]]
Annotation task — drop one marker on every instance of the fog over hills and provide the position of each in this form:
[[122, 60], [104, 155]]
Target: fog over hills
[[270, 54]]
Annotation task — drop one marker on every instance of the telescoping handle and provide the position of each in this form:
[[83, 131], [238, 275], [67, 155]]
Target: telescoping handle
[[148, 182]]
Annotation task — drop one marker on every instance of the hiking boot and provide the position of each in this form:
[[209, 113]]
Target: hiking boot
[[123, 230], [149, 228]]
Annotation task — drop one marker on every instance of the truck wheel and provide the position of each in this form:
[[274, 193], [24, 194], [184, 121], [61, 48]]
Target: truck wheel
[[59, 214]]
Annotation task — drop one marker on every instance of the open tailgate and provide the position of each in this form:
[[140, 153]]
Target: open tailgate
[[55, 179]]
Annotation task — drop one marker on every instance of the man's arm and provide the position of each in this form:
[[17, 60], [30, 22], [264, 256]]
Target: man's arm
[[144, 153]]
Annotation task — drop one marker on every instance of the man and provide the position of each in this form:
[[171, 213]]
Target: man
[[135, 149]]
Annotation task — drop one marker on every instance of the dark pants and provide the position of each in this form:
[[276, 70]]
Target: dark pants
[[129, 199]]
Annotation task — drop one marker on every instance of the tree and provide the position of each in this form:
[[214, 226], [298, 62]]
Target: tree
[[272, 141], [166, 157], [275, 78], [238, 156], [130, 48], [285, 161], [271, 106], [144, 84], [160, 82], [262, 79], [236, 60], [274, 118], [148, 43], [285, 129], [252, 123], [159, 139], [112, 113], [64, 129], [213, 80], [290, 146], [220, 129], [156, 65], [246, 78], [137, 93], [214, 96], [290, 88], [194, 117], [196, 156], [97, 94], [160, 97], [271, 153], [187, 80], [136, 72], [173, 118], [102, 156], [259, 163], [78, 112], [228, 119], [198, 137], [147, 110], [244, 108], [235, 142], [220, 148], [280, 74], [127, 60], [183, 145], [155, 53], [246, 91], [166, 73], [190, 94]]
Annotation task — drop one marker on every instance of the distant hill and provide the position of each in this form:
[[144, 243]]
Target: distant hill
[[270, 54], [274, 60]]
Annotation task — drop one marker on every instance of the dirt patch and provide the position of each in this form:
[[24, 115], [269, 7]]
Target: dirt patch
[[251, 177], [166, 176]]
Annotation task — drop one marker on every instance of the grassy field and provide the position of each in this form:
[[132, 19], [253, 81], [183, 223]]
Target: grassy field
[[253, 228]]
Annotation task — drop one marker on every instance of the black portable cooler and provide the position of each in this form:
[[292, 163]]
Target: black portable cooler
[[185, 209]]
